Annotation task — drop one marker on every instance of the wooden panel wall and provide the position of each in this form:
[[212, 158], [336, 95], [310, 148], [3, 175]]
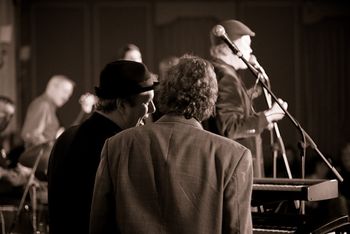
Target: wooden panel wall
[[184, 27], [116, 24], [60, 45], [78, 37], [276, 47]]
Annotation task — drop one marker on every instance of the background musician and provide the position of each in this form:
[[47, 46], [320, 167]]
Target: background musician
[[41, 123], [235, 116], [130, 52], [12, 174]]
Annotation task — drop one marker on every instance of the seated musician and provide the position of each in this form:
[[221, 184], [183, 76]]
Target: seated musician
[[41, 128], [13, 176], [41, 125]]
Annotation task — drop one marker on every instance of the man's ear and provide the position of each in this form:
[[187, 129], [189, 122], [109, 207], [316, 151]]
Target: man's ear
[[120, 104], [219, 50], [224, 50]]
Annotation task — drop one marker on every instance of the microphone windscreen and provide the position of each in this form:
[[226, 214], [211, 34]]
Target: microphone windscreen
[[218, 30]]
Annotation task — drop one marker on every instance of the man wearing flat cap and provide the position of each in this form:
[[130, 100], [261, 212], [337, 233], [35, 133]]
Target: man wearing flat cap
[[125, 99], [235, 116]]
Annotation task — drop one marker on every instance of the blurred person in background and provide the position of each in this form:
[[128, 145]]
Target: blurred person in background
[[130, 52], [41, 124], [87, 102], [13, 176], [40, 129], [235, 116]]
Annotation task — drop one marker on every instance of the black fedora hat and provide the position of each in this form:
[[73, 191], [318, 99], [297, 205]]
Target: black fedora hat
[[123, 78]]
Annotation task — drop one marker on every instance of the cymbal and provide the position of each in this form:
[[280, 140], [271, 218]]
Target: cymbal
[[30, 155]]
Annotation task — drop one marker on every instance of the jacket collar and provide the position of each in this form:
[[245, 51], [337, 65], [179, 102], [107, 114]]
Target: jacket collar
[[179, 119], [104, 122]]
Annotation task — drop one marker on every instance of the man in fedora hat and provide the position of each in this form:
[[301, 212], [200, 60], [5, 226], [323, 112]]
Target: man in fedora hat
[[235, 116], [125, 95]]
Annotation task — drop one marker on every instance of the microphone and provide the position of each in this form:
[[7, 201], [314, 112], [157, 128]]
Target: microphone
[[219, 31]]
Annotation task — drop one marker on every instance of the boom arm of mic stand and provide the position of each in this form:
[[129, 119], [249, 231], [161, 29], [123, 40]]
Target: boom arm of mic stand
[[308, 139]]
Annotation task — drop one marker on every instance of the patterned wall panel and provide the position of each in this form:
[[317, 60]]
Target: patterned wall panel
[[60, 41], [116, 24], [184, 27], [275, 46]]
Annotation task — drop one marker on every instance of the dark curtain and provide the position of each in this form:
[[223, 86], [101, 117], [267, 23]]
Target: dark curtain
[[325, 78], [190, 35]]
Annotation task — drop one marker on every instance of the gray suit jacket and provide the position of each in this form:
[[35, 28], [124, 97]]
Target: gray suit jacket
[[172, 176]]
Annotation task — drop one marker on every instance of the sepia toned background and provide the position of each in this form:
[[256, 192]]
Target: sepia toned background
[[303, 46]]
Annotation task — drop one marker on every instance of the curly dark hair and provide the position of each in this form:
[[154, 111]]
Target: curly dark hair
[[190, 89]]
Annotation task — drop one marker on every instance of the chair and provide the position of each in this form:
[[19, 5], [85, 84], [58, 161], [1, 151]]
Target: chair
[[5, 208]]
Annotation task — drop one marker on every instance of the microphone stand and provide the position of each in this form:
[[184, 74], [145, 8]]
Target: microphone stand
[[279, 144], [275, 145], [306, 139]]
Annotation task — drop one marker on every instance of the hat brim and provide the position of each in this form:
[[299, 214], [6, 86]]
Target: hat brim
[[126, 92]]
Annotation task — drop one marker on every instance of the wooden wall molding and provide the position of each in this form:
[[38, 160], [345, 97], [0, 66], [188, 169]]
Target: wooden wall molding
[[167, 12]]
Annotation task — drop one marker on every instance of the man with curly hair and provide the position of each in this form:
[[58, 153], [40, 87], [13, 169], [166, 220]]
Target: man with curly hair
[[172, 176]]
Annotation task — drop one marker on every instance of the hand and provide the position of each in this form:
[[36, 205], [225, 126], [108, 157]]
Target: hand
[[60, 131], [34, 138], [87, 102], [254, 92], [276, 113], [14, 176]]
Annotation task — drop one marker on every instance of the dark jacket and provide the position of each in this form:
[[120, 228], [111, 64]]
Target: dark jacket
[[71, 174], [235, 117]]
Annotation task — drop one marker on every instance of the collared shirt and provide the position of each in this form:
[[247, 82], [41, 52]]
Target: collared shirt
[[41, 123]]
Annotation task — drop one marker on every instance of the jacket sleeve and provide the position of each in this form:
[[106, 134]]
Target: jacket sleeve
[[34, 124], [234, 114], [103, 214], [237, 197]]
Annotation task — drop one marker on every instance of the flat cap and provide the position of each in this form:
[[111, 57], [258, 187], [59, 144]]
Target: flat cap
[[234, 29]]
